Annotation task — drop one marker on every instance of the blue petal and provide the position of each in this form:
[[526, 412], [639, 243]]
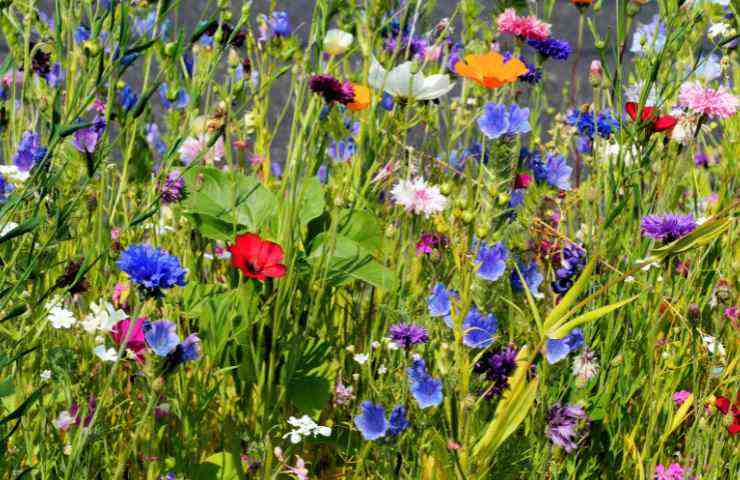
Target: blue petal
[[371, 422]]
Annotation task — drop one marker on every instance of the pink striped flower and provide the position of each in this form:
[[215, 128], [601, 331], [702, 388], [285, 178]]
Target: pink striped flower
[[708, 101], [529, 27]]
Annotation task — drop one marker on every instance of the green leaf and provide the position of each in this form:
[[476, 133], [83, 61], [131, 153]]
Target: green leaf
[[23, 228], [558, 314], [362, 227], [308, 376], [349, 260], [220, 466], [560, 330], [703, 234], [6, 387], [312, 202], [218, 199]]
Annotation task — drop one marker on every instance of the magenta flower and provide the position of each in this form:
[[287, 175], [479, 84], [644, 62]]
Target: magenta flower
[[132, 336], [680, 397], [667, 227]]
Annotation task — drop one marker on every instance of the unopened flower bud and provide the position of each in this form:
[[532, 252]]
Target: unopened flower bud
[[595, 73]]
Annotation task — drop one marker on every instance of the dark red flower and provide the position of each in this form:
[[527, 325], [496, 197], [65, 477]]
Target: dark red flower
[[522, 181], [257, 258], [723, 404], [331, 89], [656, 124]]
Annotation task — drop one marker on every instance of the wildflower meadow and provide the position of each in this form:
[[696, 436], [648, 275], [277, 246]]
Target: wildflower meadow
[[374, 239]]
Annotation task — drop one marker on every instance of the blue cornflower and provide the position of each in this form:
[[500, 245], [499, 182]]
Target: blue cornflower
[[475, 152], [440, 301], [275, 26], [406, 335], [181, 100], [531, 275], [517, 197], [558, 349], [161, 336], [154, 139], [552, 48], [5, 188], [387, 102], [398, 421], [343, 150], [371, 422], [153, 269], [558, 172], [583, 121], [426, 390], [606, 124], [127, 98], [478, 329], [533, 75], [30, 151], [499, 120], [492, 261], [81, 34], [186, 351]]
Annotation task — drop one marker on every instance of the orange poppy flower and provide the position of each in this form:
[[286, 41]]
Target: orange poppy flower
[[490, 70], [362, 98]]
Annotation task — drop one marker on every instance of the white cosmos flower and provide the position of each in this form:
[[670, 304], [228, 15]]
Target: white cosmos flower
[[336, 41], [14, 174], [400, 82], [106, 355], [305, 427], [361, 358]]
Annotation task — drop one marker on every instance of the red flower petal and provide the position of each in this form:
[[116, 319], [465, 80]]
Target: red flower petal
[[275, 271], [665, 122], [631, 108], [723, 404], [257, 258], [734, 428]]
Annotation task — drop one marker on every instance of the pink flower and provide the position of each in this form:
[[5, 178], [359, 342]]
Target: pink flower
[[193, 146], [708, 101], [134, 339], [530, 27], [673, 472], [680, 397], [300, 471], [418, 197]]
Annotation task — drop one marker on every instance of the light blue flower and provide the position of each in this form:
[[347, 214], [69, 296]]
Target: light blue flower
[[709, 68], [558, 172], [499, 120], [558, 349], [479, 329], [426, 390], [371, 422], [161, 336], [440, 303], [492, 261]]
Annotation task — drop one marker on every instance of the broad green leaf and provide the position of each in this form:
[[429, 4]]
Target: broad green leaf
[[6, 387], [362, 227], [217, 199], [312, 202], [348, 260], [308, 376], [220, 466], [569, 299], [560, 330]]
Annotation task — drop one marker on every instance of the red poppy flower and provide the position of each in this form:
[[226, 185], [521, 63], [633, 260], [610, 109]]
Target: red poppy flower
[[257, 258], [723, 404], [656, 124]]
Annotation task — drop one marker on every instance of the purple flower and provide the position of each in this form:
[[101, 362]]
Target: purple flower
[[551, 48], [478, 329], [161, 336], [127, 98], [331, 89], [81, 34], [567, 426], [55, 75], [533, 75], [171, 191], [667, 227], [279, 24], [497, 366], [492, 261], [680, 397], [558, 172], [673, 472], [406, 335], [558, 349], [428, 242], [29, 151], [371, 422], [426, 390], [499, 120], [531, 275], [86, 139], [342, 151], [398, 421], [701, 160]]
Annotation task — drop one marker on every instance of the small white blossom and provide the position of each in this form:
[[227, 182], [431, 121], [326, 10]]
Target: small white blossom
[[375, 344], [336, 41], [63, 421], [106, 355], [585, 366], [382, 370], [68, 449], [713, 345], [45, 375], [305, 427], [103, 317], [60, 317], [361, 358], [720, 29]]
